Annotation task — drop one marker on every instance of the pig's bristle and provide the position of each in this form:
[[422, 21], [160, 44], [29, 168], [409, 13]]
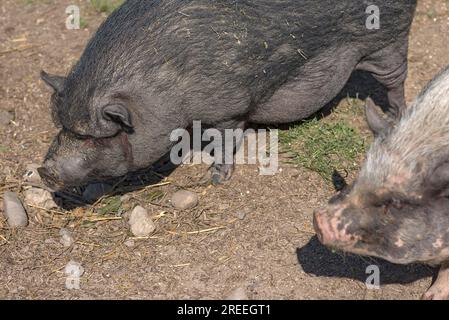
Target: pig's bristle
[[418, 143]]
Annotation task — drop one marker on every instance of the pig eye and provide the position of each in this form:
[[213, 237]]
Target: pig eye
[[82, 137], [396, 203], [393, 203]]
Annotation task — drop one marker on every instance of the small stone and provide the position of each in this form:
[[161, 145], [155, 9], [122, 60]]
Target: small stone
[[40, 198], [31, 175], [141, 223], [184, 199], [14, 211], [66, 238], [95, 191], [237, 294], [7, 171], [240, 214], [5, 118], [74, 269], [129, 243]]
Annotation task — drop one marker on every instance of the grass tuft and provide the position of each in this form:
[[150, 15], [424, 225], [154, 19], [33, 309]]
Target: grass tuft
[[111, 205], [324, 147], [106, 6]]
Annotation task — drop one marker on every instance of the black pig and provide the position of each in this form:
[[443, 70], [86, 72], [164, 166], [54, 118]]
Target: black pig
[[155, 66]]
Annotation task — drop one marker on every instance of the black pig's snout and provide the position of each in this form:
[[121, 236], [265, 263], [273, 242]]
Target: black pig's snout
[[48, 178]]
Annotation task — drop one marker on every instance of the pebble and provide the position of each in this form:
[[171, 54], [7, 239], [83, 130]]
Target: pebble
[[130, 243], [74, 269], [95, 191], [240, 214], [14, 211], [184, 199], [141, 223], [237, 294], [7, 171], [49, 241], [66, 238], [40, 198], [5, 118], [31, 175]]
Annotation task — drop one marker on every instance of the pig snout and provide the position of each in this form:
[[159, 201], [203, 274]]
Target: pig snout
[[56, 175], [330, 229], [322, 227], [48, 178]]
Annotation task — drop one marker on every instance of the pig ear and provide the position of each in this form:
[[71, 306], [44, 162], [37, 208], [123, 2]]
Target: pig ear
[[56, 82], [377, 120], [119, 114], [439, 179]]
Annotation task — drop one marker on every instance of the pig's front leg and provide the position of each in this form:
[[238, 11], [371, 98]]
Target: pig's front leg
[[221, 172], [440, 289]]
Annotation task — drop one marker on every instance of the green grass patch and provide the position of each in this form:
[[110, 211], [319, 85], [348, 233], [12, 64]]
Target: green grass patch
[[106, 6], [154, 196], [83, 23], [110, 206], [33, 2], [323, 146]]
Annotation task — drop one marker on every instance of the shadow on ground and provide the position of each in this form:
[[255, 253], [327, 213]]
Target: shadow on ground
[[71, 198], [360, 85], [316, 259]]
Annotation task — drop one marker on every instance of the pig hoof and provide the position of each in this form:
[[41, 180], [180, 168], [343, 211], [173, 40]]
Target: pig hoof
[[436, 293], [219, 173], [216, 179]]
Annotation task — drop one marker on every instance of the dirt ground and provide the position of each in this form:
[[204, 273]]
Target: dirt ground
[[272, 252]]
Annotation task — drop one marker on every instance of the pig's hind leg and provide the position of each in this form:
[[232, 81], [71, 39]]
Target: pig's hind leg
[[389, 67], [440, 289]]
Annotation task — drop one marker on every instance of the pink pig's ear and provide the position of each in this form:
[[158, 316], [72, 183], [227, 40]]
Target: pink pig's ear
[[378, 121], [438, 180], [54, 81]]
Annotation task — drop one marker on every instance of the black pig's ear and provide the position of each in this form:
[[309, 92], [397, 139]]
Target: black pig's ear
[[56, 82], [378, 121], [118, 114]]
